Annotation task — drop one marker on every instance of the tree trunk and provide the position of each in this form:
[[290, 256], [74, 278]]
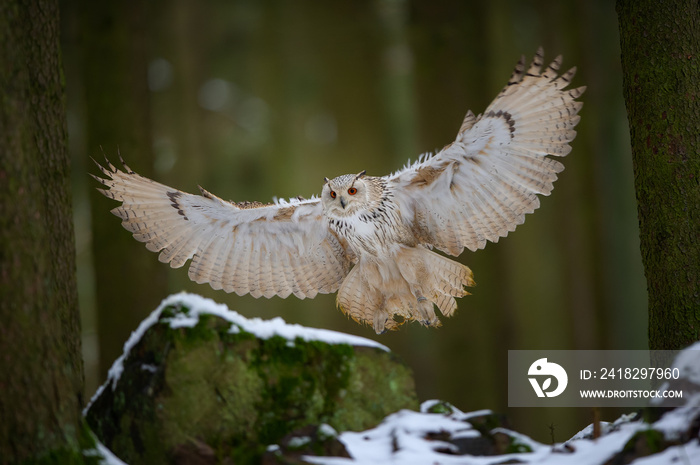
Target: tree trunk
[[129, 281], [41, 370], [660, 58]]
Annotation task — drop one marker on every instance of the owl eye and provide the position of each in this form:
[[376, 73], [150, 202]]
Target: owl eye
[[332, 194], [352, 191]]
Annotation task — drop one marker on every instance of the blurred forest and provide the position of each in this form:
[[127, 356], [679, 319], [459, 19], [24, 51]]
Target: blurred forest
[[255, 99]]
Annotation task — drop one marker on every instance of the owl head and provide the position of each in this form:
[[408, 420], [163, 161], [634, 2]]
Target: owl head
[[345, 195]]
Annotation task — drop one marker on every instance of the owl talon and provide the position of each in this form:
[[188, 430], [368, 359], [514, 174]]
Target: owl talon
[[380, 320]]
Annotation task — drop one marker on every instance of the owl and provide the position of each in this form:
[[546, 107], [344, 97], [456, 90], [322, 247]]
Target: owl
[[372, 238]]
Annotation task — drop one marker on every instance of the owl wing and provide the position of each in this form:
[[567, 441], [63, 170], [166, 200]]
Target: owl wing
[[480, 187], [264, 250]]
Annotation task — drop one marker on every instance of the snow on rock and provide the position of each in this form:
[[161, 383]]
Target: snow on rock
[[198, 305], [441, 434], [605, 427], [106, 457], [688, 362], [674, 423], [684, 454], [413, 438], [264, 329], [197, 380], [400, 438]]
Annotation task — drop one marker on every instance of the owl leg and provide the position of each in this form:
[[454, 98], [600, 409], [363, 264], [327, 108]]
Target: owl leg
[[381, 317], [426, 311]]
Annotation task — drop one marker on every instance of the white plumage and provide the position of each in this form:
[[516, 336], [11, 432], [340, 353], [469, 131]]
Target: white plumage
[[369, 238]]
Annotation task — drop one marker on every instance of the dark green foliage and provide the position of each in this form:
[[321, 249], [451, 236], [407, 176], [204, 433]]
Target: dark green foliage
[[236, 393], [660, 53]]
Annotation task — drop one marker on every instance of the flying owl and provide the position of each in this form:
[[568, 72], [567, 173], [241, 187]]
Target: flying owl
[[371, 238]]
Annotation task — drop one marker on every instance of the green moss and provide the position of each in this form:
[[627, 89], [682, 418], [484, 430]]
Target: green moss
[[646, 442], [441, 407], [302, 380], [516, 447], [238, 393], [362, 403], [194, 372]]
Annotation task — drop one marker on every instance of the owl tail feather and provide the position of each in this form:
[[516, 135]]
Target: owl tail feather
[[387, 293]]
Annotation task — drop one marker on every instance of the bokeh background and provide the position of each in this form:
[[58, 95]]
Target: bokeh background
[[255, 99]]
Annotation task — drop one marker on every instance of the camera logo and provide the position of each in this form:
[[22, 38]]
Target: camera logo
[[543, 368]]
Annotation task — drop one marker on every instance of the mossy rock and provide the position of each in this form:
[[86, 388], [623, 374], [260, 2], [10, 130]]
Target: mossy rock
[[202, 382]]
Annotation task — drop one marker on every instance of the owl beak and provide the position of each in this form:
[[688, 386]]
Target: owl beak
[[342, 202]]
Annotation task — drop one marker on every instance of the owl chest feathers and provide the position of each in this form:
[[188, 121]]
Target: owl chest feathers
[[372, 231]]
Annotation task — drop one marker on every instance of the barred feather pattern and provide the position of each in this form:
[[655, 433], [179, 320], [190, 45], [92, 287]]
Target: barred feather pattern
[[370, 238], [263, 250], [481, 186]]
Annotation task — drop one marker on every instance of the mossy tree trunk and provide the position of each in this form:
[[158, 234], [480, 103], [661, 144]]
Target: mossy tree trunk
[[41, 371], [118, 118], [660, 57]]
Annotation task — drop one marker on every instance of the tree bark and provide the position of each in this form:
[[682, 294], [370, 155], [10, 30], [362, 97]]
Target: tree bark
[[41, 371], [660, 51]]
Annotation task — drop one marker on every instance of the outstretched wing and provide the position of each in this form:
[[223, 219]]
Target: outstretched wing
[[480, 187], [264, 250]]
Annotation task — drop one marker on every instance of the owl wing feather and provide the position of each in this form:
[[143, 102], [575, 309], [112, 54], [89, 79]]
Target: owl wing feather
[[265, 250], [480, 187]]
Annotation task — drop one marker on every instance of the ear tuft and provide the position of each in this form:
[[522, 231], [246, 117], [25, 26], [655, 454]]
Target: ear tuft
[[360, 175], [326, 180]]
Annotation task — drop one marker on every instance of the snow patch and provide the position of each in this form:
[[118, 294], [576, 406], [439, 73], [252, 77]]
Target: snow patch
[[326, 431], [149, 367], [688, 453], [108, 457], [400, 439], [688, 363], [675, 423], [299, 442], [403, 438]]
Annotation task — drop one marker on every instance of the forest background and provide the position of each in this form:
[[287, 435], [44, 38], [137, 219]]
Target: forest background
[[259, 99]]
